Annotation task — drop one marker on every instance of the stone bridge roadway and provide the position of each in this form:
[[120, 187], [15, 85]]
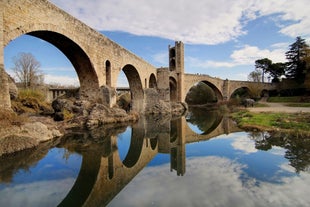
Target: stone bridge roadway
[[103, 174], [98, 60]]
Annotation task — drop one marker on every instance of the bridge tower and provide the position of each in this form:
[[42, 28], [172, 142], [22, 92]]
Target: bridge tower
[[4, 85], [176, 69]]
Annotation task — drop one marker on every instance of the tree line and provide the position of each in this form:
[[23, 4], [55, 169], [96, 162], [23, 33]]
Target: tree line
[[296, 67]]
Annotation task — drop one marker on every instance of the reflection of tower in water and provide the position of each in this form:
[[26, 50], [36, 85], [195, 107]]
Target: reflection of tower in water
[[177, 146]]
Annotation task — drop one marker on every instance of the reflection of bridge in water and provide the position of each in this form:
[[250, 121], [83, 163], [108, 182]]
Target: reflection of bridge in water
[[103, 174]]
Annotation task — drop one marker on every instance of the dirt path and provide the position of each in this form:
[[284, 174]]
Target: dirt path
[[279, 107]]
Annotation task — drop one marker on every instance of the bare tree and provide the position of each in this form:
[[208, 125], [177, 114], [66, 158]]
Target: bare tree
[[255, 76], [27, 70]]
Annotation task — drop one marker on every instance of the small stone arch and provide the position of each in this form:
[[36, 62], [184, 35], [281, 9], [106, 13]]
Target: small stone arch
[[152, 81], [173, 89], [108, 73], [136, 88]]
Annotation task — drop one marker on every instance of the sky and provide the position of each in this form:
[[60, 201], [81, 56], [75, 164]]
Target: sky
[[222, 38]]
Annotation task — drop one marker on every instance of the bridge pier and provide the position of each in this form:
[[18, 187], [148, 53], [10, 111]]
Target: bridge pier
[[5, 101]]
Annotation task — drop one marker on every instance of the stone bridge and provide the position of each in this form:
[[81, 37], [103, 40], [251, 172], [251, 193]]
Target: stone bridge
[[98, 61]]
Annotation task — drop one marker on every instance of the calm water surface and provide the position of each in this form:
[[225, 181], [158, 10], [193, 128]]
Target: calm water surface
[[200, 160]]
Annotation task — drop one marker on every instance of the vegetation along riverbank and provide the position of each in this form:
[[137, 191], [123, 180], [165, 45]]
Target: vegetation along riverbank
[[275, 117]]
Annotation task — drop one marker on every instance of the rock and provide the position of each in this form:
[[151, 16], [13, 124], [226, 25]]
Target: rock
[[59, 116], [15, 143], [39, 131], [59, 104], [161, 107], [178, 108], [164, 107], [26, 136], [102, 114]]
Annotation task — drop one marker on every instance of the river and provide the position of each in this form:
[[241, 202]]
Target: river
[[201, 159]]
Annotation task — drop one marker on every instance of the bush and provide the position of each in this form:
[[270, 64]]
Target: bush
[[29, 93], [31, 101], [8, 118]]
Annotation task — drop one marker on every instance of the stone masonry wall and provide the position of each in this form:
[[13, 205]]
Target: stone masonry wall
[[4, 86]]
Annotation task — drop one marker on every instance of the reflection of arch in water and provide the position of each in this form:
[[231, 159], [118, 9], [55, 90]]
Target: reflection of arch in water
[[135, 148], [84, 182], [219, 127], [205, 120], [102, 176]]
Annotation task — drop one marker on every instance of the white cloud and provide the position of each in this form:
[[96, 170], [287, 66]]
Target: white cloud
[[42, 193], [198, 21], [295, 12], [211, 181], [243, 56], [244, 144], [61, 80]]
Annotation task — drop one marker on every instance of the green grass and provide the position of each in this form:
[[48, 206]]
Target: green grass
[[299, 122], [284, 99], [298, 104]]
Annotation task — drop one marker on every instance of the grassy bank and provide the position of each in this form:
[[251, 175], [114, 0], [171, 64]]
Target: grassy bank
[[292, 123]]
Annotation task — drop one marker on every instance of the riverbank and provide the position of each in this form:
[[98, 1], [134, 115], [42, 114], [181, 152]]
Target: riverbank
[[275, 117], [19, 133]]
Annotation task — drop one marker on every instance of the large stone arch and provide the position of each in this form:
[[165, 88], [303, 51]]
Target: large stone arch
[[136, 88], [73, 51]]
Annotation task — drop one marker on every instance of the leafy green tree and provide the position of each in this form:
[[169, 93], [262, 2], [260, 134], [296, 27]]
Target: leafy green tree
[[296, 66], [276, 70]]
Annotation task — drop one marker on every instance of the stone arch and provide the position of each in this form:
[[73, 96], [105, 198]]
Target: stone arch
[[172, 55], [108, 73], [154, 143], [152, 81], [173, 89], [136, 88], [218, 94], [265, 93], [73, 51], [247, 92]]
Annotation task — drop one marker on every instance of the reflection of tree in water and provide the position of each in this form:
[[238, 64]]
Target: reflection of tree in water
[[297, 147], [206, 120]]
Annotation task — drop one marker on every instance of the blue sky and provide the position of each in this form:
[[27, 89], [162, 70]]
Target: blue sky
[[222, 38]]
